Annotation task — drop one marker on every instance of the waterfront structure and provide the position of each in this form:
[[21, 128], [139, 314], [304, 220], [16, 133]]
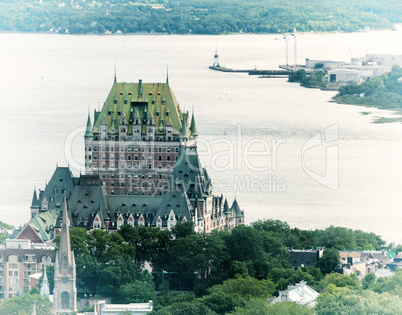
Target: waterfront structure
[[343, 76], [65, 290], [19, 259]]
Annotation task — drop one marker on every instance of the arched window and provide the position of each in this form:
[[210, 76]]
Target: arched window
[[65, 262], [65, 301]]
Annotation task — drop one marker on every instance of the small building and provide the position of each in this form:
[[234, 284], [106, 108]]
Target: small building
[[20, 259], [343, 76], [103, 308], [303, 258], [299, 293]]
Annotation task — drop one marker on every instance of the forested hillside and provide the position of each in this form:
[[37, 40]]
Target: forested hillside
[[197, 16]]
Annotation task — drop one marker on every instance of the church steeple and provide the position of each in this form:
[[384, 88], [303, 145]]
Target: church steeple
[[65, 259], [44, 288], [65, 290]]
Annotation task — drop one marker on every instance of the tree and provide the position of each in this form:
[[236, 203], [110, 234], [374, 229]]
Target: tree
[[391, 285], [336, 280], [329, 260], [193, 308], [356, 302], [50, 277], [23, 305], [289, 308], [136, 292], [284, 276], [368, 281]]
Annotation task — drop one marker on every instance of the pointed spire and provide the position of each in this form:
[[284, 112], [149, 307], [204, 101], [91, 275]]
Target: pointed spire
[[226, 207], [88, 131], [193, 128], [167, 74], [44, 289], [34, 199], [115, 77], [64, 254], [183, 131]]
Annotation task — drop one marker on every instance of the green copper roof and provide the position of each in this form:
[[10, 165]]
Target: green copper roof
[[193, 128], [88, 131], [44, 223], [184, 132], [142, 99]]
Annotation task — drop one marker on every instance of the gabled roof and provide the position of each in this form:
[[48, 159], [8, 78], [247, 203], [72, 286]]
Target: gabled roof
[[189, 172], [86, 200], [62, 180], [133, 205], [29, 233], [177, 200], [140, 99], [44, 224]]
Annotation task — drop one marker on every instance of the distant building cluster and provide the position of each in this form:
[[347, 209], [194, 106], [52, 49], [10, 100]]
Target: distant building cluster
[[361, 263], [372, 65]]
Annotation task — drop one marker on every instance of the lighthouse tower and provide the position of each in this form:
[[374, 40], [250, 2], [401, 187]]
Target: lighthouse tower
[[216, 59]]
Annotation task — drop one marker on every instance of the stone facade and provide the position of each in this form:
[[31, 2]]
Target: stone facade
[[65, 290], [142, 168], [135, 139]]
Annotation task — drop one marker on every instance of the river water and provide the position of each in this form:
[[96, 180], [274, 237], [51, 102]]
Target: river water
[[48, 82]]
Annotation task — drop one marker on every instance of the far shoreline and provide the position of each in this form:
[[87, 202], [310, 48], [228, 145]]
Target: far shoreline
[[395, 27]]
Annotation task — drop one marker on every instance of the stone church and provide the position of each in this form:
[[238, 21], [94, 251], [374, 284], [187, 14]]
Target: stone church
[[65, 290]]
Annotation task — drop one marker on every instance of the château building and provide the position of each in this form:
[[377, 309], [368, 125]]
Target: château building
[[142, 168], [135, 139]]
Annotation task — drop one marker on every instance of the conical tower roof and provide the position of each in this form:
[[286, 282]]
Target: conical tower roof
[[88, 131], [35, 201], [226, 207], [193, 128]]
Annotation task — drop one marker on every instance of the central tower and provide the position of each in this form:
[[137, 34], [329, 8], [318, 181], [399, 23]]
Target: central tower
[[135, 139]]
